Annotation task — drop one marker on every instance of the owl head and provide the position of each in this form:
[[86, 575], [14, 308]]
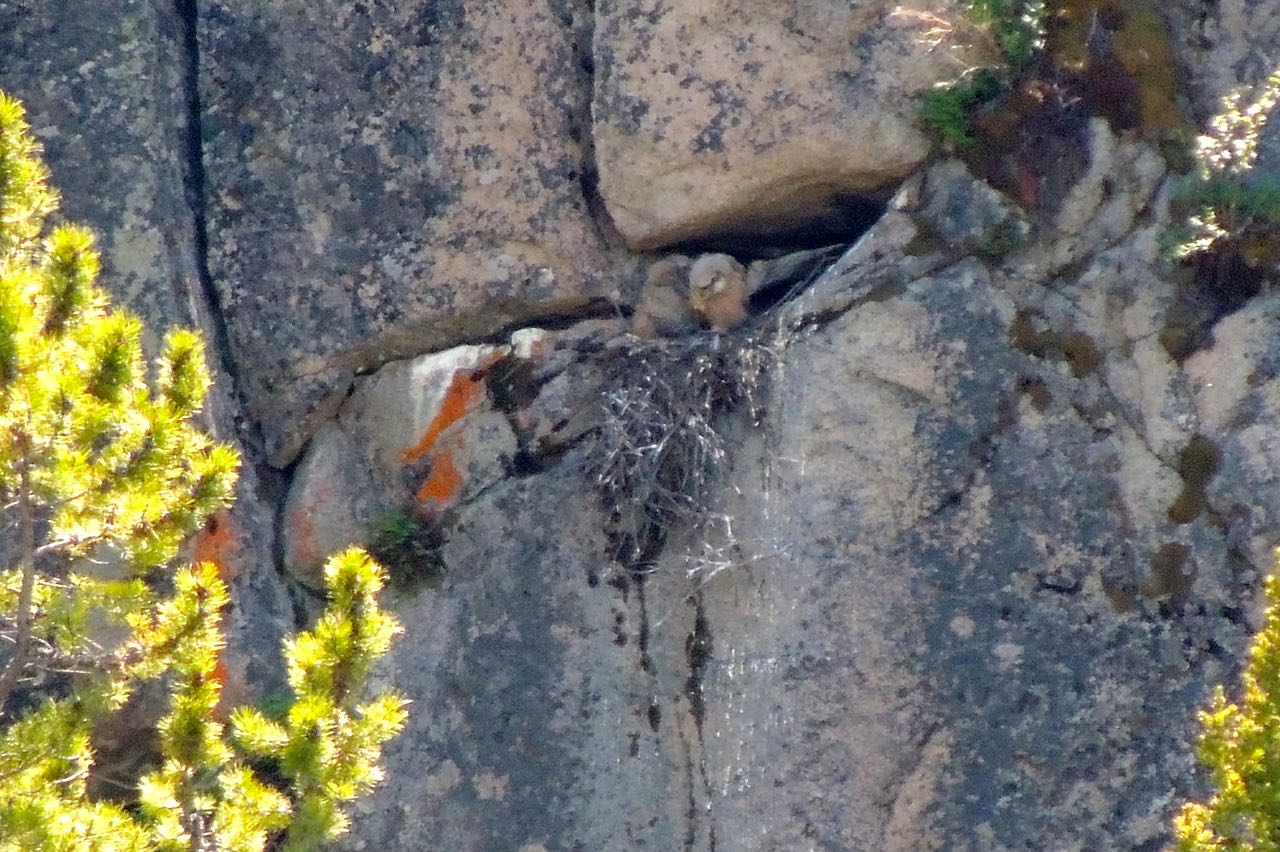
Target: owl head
[[714, 274]]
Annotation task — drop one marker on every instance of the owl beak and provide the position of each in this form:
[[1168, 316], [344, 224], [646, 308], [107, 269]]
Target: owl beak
[[717, 284]]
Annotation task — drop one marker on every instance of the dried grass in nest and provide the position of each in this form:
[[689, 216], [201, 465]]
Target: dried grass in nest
[[661, 442]]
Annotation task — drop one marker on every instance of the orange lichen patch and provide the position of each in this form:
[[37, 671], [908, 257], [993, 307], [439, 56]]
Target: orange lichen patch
[[233, 677], [465, 388], [220, 671], [302, 534], [442, 485], [218, 543]]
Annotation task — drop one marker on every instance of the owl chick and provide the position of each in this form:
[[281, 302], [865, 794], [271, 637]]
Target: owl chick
[[718, 291], [664, 305]]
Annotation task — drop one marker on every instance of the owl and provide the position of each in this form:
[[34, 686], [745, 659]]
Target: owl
[[664, 309], [718, 291]]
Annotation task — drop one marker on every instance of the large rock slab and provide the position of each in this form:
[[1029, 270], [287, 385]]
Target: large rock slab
[[104, 84], [386, 180], [750, 116], [417, 437], [960, 603]]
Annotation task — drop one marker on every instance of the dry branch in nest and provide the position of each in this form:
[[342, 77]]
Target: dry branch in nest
[[661, 443]]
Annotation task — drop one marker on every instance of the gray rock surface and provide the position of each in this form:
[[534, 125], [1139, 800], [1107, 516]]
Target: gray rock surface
[[953, 608], [387, 180], [961, 586], [104, 85]]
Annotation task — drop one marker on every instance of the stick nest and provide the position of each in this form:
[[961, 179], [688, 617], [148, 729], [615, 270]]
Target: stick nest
[[661, 445]]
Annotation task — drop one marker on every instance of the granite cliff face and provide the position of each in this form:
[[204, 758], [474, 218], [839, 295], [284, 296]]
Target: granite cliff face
[[964, 560]]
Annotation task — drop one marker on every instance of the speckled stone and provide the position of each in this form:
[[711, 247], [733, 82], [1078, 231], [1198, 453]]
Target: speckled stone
[[750, 116], [104, 89], [386, 180]]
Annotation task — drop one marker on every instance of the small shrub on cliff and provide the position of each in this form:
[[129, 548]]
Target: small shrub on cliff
[[1014, 29], [405, 546], [1239, 749], [1225, 202], [96, 464]]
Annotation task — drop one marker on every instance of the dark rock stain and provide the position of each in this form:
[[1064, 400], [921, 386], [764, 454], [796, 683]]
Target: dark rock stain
[[1197, 464], [1028, 333], [697, 650], [1170, 579], [646, 662], [619, 628]]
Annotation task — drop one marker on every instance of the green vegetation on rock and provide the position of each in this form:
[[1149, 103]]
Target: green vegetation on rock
[[1016, 28], [1225, 200], [98, 465], [1238, 748], [403, 544]]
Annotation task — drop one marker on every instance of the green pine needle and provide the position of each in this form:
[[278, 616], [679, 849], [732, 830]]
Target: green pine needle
[[94, 463]]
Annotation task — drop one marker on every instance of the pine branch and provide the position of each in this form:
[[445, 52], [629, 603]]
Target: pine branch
[[25, 623]]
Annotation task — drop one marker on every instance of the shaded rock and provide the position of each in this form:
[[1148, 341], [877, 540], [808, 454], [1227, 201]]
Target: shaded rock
[[332, 504], [880, 264], [240, 542], [790, 273], [704, 127], [389, 181], [967, 215]]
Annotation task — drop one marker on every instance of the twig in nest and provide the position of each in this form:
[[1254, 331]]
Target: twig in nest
[[660, 447]]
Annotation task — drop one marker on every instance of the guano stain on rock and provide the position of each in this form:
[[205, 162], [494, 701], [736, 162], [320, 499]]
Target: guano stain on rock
[[697, 649], [464, 389]]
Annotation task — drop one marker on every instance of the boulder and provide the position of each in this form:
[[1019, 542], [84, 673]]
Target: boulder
[[332, 504], [418, 437], [706, 125]]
